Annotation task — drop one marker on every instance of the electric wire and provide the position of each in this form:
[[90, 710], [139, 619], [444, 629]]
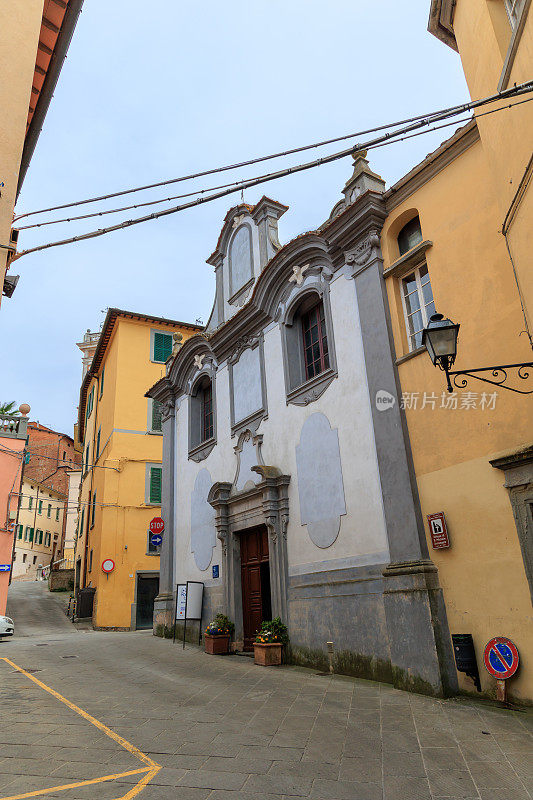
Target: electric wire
[[457, 109]]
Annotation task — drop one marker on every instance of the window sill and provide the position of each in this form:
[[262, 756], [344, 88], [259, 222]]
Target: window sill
[[154, 433], [413, 258], [312, 389], [412, 354], [251, 422], [202, 450]]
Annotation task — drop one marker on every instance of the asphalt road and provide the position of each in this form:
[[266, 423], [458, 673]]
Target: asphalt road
[[125, 715]]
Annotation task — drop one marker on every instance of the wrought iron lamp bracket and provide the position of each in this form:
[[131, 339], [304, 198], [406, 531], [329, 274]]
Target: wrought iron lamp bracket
[[499, 376]]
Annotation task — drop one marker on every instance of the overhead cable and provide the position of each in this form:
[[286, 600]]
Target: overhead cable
[[457, 109]]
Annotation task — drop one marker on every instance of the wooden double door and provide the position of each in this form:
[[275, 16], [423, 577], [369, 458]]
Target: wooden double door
[[255, 582]]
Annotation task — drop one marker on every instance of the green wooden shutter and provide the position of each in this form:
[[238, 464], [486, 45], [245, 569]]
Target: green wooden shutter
[[40, 506], [102, 376], [80, 532], [40, 537], [20, 532], [31, 534], [157, 423], [93, 509], [98, 444], [30, 506], [162, 346], [57, 514], [155, 485]]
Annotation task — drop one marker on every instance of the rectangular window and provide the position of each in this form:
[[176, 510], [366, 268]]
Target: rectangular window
[[49, 510], [97, 444], [315, 341], [162, 347], [20, 532], [31, 535], [30, 503], [40, 509], [47, 539], [102, 376], [90, 562], [27, 533], [155, 485], [80, 532], [57, 514], [34, 559], [86, 458], [24, 557], [207, 412], [40, 537], [93, 509], [90, 402], [156, 422], [418, 304]]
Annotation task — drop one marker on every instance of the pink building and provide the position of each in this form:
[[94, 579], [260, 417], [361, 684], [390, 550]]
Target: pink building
[[13, 432]]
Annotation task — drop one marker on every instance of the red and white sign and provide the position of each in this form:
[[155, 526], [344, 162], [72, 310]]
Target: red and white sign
[[438, 531], [501, 657], [157, 525], [108, 565]]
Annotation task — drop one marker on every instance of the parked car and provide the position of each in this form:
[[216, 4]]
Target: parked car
[[7, 627]]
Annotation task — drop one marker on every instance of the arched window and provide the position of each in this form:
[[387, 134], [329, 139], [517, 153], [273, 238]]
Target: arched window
[[410, 235], [308, 351], [201, 414]]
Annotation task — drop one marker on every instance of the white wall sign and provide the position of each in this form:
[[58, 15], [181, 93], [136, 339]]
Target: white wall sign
[[195, 593], [182, 601]]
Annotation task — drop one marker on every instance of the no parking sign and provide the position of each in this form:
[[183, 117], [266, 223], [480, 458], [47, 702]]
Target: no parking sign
[[501, 658]]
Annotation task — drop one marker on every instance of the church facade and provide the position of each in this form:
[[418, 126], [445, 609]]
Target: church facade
[[288, 487]]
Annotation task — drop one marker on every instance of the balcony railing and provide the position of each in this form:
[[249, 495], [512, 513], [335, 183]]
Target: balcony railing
[[13, 427]]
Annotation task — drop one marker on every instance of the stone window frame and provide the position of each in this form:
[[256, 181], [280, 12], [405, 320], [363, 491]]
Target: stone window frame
[[234, 293], [147, 480], [199, 450], [149, 419], [306, 391], [253, 420]]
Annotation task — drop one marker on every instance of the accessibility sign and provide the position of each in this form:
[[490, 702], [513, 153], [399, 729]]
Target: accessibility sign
[[501, 657], [156, 539], [5, 567]]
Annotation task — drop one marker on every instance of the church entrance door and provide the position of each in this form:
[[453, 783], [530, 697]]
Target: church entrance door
[[255, 582]]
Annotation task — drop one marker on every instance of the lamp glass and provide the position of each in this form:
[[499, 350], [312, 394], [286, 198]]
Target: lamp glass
[[440, 339]]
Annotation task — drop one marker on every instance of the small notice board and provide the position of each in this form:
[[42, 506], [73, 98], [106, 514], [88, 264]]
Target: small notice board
[[438, 530], [189, 600]]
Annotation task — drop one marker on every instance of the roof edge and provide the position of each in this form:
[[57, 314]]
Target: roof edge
[[440, 22]]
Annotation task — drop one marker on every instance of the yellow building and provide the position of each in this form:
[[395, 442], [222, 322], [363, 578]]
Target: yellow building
[[120, 492], [39, 530], [34, 39], [71, 514], [444, 250]]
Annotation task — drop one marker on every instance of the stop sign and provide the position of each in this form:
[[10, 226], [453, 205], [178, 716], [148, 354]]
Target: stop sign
[[157, 525]]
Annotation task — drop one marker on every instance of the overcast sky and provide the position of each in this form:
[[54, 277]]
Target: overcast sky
[[153, 91]]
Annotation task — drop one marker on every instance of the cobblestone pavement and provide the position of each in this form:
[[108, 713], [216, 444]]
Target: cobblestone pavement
[[222, 728]]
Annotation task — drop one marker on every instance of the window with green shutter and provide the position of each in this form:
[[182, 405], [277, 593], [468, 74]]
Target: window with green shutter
[[93, 509], [98, 444], [102, 376], [31, 534], [49, 510], [20, 532], [30, 504], [80, 532], [155, 485], [40, 534], [157, 423], [57, 514], [40, 509], [86, 458], [162, 346]]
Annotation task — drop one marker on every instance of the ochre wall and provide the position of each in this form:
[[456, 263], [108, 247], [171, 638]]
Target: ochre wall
[[20, 23], [482, 574]]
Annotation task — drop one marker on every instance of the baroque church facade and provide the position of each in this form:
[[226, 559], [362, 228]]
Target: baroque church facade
[[288, 487]]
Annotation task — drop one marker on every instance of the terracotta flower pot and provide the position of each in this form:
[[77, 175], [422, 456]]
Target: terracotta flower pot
[[267, 655], [217, 645]]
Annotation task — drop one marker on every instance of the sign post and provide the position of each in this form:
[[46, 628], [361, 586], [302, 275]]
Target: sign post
[[501, 660], [189, 599]]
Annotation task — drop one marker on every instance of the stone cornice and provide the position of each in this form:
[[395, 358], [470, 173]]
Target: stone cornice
[[440, 22], [411, 259]]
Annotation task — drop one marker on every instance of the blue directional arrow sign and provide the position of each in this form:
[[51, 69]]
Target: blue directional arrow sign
[[5, 567], [156, 539]]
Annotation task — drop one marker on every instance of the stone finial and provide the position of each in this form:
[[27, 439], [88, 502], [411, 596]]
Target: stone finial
[[177, 342], [363, 178]]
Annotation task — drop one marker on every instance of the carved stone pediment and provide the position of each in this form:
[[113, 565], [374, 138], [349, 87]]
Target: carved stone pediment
[[361, 254]]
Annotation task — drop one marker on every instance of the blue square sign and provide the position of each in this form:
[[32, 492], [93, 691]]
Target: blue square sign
[[215, 570]]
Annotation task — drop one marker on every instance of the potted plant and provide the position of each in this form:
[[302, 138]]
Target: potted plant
[[217, 635], [269, 641]]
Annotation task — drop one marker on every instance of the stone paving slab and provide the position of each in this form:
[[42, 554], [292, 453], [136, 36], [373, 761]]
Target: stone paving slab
[[224, 729]]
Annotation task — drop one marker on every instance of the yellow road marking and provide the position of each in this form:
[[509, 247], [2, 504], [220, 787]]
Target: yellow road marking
[[151, 771], [83, 783]]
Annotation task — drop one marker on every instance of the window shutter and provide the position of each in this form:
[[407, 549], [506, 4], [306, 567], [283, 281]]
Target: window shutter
[[93, 509], [31, 534], [162, 346], [155, 485], [98, 444], [80, 533], [157, 423], [30, 506], [102, 376]]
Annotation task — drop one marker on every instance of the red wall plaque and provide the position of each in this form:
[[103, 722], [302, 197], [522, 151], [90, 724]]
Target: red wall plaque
[[438, 531]]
